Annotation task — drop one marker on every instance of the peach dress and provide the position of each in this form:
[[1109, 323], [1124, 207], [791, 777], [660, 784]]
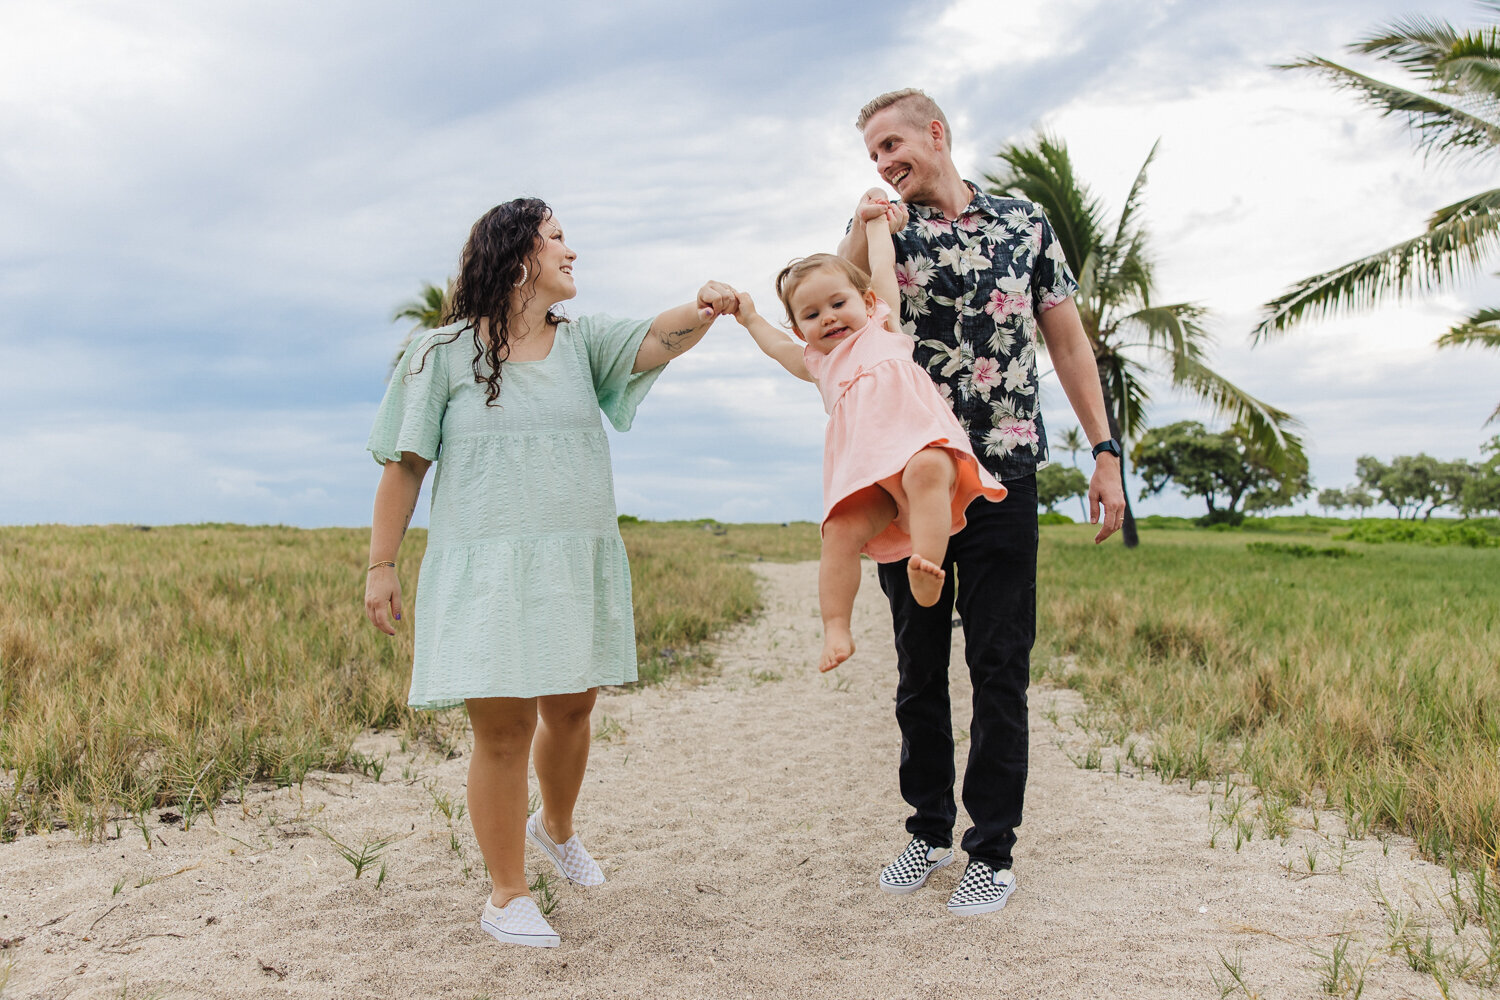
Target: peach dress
[[883, 409]]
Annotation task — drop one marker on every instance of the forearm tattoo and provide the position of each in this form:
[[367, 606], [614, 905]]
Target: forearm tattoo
[[674, 340]]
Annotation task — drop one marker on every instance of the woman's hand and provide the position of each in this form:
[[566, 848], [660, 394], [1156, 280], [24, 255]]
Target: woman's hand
[[716, 299], [383, 598]]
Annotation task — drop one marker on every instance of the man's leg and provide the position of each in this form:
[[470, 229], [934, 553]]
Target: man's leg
[[996, 557], [924, 637]]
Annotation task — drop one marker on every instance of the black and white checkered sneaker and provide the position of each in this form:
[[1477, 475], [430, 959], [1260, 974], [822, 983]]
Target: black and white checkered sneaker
[[983, 889], [912, 866]]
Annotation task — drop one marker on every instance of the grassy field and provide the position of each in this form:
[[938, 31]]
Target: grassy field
[[1359, 678], [145, 668], [141, 668]]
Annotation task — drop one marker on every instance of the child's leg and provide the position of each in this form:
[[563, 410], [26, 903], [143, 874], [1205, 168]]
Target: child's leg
[[503, 728], [859, 518], [928, 481]]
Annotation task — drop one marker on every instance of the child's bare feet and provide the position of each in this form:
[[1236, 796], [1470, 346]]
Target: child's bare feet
[[926, 579], [838, 646]]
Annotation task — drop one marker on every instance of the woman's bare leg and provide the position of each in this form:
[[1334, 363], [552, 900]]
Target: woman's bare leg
[[928, 481], [560, 753], [503, 728], [859, 518]]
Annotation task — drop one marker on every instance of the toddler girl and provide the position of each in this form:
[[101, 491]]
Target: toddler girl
[[898, 469]]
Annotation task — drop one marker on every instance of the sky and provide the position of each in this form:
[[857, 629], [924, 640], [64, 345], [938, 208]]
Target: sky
[[210, 212]]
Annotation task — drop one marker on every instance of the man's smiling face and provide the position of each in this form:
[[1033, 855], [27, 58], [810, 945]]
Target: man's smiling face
[[907, 157]]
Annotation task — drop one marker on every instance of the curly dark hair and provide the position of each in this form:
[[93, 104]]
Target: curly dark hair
[[501, 249]]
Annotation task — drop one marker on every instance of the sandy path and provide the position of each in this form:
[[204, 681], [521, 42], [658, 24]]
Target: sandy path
[[741, 823]]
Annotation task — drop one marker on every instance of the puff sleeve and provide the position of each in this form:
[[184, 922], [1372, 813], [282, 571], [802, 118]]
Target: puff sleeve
[[612, 345], [410, 417]]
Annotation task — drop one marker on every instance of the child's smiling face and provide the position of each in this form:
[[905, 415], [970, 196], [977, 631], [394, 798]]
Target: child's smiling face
[[827, 308]]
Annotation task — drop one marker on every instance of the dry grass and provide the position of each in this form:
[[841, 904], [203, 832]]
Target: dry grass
[[171, 666]]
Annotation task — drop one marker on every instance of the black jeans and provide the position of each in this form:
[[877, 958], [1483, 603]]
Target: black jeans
[[995, 558]]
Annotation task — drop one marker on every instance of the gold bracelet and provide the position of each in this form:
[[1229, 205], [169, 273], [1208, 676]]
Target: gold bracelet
[[386, 562]]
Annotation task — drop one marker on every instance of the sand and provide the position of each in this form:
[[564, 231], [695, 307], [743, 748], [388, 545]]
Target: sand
[[741, 822]]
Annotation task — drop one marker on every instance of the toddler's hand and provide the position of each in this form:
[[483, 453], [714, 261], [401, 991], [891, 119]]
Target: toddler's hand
[[872, 206], [716, 299], [745, 311]]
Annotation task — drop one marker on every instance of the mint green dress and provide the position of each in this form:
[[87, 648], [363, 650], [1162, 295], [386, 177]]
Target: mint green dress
[[525, 588]]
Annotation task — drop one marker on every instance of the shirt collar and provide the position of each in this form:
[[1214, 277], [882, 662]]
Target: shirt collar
[[980, 203]]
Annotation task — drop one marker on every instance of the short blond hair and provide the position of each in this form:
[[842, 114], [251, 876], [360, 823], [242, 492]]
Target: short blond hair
[[917, 110], [797, 271]]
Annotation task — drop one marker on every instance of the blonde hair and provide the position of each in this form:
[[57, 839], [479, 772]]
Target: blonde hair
[[917, 110], [798, 270]]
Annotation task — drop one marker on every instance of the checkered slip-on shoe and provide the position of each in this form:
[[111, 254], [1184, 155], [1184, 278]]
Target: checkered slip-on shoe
[[571, 860], [518, 922], [983, 889], [912, 866]]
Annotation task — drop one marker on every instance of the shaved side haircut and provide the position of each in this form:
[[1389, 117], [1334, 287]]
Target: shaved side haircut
[[916, 108]]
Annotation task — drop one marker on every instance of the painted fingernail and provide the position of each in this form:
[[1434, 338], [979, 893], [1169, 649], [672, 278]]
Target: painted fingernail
[[398, 616]]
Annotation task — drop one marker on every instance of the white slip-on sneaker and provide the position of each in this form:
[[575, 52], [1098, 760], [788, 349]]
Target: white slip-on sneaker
[[983, 889], [909, 871], [571, 860], [518, 922]]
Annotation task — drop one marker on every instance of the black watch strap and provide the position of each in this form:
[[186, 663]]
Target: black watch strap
[[1108, 444]]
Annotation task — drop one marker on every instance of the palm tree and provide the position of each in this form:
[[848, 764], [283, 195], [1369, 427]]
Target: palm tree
[[1131, 335], [428, 311], [1073, 442], [1458, 116]]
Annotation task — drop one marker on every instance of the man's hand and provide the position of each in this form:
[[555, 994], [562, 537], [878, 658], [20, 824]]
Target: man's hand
[[1106, 490], [717, 299]]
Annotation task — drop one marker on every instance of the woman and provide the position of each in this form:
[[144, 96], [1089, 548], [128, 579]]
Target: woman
[[524, 605]]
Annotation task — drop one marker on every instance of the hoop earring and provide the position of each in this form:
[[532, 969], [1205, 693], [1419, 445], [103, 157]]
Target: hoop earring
[[522, 279]]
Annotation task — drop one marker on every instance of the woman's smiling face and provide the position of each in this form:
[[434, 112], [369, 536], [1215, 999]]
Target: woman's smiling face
[[827, 308], [554, 263]]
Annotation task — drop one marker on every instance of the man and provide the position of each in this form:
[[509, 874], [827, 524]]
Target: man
[[980, 277]]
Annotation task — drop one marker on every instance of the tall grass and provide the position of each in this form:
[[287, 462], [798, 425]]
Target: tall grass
[[1370, 685], [142, 668]]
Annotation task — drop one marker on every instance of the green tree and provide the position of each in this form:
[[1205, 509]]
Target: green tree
[[1453, 110], [1481, 493], [1227, 469], [428, 311], [1414, 484], [1359, 498], [1056, 483], [1332, 499], [1073, 442], [1132, 335]]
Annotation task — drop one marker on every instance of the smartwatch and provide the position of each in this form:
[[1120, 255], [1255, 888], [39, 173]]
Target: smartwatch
[[1108, 444]]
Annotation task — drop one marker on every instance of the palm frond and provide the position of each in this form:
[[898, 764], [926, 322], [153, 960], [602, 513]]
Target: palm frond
[[1126, 394], [1042, 172], [1481, 329], [1458, 239], [1268, 427], [1440, 127], [1134, 198], [1416, 43], [1176, 329], [429, 309]]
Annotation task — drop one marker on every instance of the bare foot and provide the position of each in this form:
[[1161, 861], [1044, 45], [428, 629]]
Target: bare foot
[[926, 579], [838, 646]]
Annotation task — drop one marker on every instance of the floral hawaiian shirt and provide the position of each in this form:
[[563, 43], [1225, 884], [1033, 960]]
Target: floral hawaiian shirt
[[971, 291]]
